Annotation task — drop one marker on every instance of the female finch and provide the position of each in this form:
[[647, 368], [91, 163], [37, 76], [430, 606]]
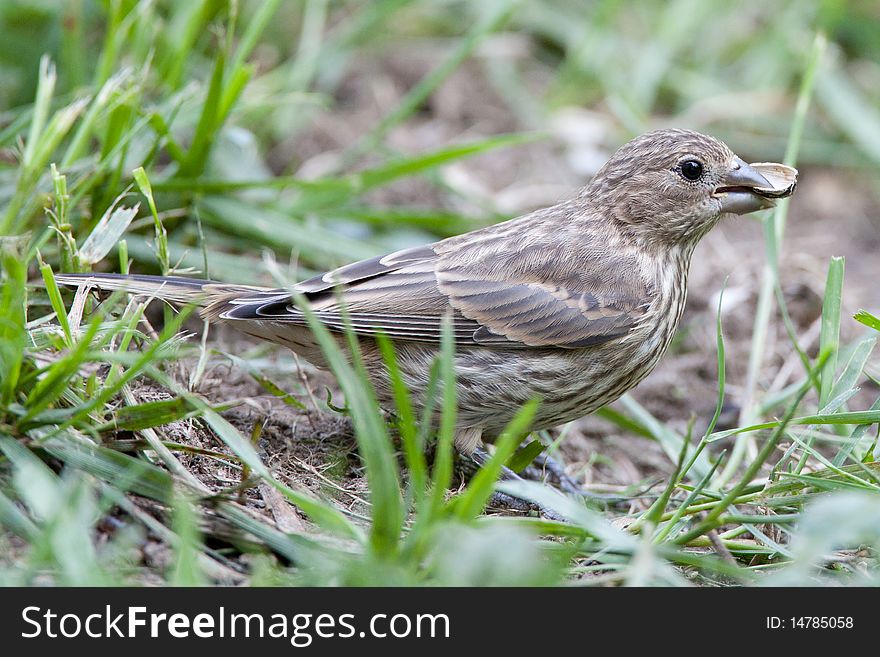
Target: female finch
[[572, 305]]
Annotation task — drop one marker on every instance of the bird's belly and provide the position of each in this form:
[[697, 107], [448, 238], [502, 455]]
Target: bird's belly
[[493, 384]]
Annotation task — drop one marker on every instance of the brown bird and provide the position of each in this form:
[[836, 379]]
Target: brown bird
[[572, 305]]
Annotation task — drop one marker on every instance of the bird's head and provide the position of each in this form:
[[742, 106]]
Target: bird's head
[[670, 187]]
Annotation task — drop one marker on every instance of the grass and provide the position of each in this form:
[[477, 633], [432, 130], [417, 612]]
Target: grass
[[165, 146]]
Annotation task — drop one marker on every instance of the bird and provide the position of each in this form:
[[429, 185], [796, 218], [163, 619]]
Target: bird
[[572, 305]]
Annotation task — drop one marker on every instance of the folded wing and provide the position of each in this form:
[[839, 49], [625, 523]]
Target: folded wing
[[407, 294]]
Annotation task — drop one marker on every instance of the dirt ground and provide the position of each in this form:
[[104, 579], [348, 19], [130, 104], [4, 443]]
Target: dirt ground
[[833, 213]]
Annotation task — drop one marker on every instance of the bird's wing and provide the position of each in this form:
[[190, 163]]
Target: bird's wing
[[407, 294], [396, 294], [539, 313]]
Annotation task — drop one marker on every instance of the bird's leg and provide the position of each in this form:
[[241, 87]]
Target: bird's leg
[[547, 469], [480, 456]]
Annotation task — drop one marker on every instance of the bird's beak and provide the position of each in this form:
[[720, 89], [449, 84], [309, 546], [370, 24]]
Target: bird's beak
[[751, 187]]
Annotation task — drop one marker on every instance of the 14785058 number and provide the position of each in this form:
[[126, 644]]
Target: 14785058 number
[[821, 622]]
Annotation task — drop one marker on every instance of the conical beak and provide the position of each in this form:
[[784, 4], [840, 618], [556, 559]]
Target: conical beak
[[750, 187]]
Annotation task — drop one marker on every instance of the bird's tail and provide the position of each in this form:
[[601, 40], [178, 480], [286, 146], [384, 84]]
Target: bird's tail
[[169, 288], [212, 297]]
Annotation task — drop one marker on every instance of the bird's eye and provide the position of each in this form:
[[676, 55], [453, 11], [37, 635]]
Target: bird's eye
[[691, 169]]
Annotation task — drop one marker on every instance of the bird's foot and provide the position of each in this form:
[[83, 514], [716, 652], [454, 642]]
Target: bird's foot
[[548, 470], [507, 501]]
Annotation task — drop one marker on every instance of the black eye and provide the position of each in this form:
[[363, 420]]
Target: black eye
[[691, 169]]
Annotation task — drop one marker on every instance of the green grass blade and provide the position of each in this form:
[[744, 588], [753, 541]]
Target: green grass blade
[[829, 337], [185, 568], [525, 456], [123, 471], [848, 417], [441, 475], [869, 320], [414, 448], [472, 500], [13, 300], [56, 301]]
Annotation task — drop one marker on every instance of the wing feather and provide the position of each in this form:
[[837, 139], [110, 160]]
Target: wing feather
[[407, 294]]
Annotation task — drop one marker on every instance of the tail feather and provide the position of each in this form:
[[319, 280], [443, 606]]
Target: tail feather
[[214, 298], [170, 288]]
